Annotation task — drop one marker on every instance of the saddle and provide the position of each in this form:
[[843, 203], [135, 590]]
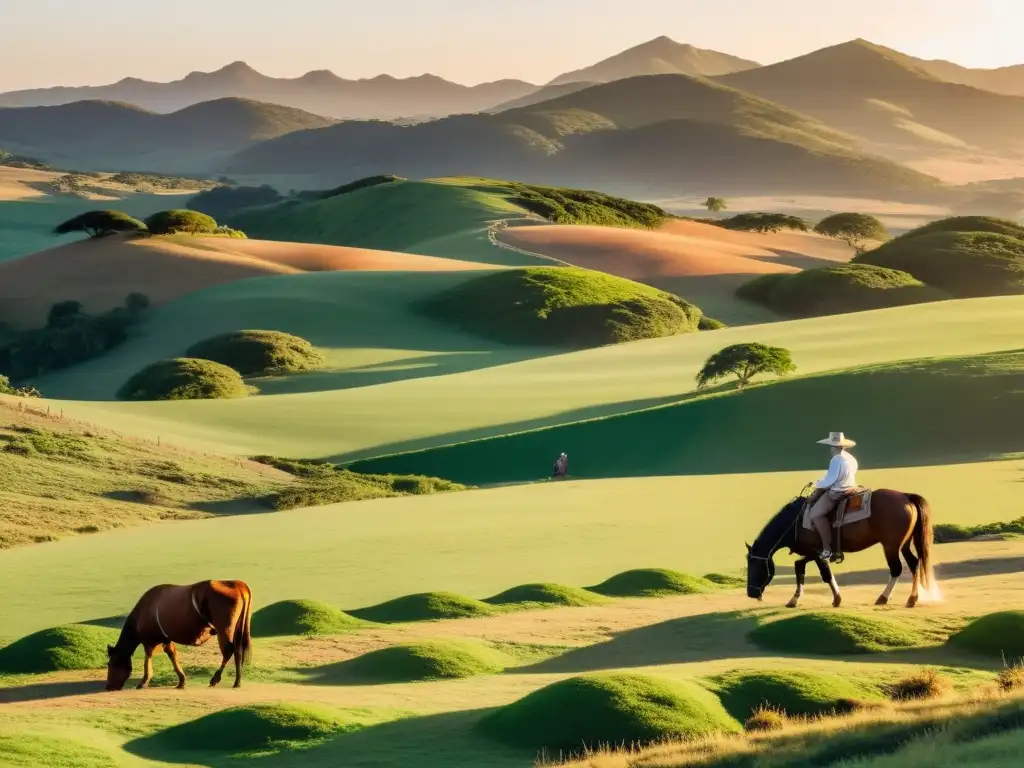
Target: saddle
[[854, 506]]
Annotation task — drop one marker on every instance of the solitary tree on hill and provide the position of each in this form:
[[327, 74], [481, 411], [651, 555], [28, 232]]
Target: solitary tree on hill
[[854, 229], [181, 221], [715, 204], [100, 224], [745, 361]]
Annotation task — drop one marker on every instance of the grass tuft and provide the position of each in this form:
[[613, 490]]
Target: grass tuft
[[301, 617], [926, 684], [766, 718]]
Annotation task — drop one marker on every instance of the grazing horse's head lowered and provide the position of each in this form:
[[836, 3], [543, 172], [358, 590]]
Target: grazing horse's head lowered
[[760, 572], [119, 669]]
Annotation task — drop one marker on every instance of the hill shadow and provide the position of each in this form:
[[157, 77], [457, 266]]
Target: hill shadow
[[903, 412], [46, 691], [704, 637]]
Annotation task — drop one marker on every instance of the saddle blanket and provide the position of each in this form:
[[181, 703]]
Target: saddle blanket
[[851, 509]]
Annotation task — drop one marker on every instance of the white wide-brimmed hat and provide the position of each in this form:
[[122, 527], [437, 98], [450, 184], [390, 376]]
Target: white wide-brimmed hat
[[837, 440]]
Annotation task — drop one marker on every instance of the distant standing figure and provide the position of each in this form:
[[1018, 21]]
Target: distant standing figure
[[561, 468]]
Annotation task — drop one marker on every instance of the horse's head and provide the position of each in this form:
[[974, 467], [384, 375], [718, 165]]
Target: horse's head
[[760, 572], [119, 669]]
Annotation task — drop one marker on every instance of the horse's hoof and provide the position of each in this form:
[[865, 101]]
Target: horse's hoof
[[911, 602], [791, 604], [237, 685], [180, 686], [837, 602], [883, 600]]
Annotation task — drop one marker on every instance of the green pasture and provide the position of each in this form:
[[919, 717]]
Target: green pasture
[[438, 217], [26, 226], [477, 543], [408, 411], [934, 411]]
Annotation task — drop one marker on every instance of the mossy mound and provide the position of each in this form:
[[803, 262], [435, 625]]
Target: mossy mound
[[259, 353], [963, 264], [842, 288], [246, 729], [426, 606], [301, 617], [725, 579], [414, 662], [997, 634], [652, 582], [829, 634], [970, 224], [75, 646], [546, 594], [562, 306], [584, 713], [184, 379], [24, 749], [744, 692]]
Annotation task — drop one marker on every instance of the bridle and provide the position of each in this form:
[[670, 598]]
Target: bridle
[[775, 548]]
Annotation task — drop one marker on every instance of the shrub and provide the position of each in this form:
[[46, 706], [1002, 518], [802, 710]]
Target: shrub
[[341, 485], [745, 361], [181, 221], [1011, 678], [588, 713], [100, 224], [710, 324], [184, 379], [964, 264], [766, 718], [7, 389], [562, 306], [926, 684], [236, 234], [838, 289], [852, 228], [577, 206], [946, 533], [763, 222], [258, 353]]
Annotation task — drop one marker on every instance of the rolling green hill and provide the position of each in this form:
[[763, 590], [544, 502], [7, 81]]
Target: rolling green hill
[[668, 128], [103, 135], [892, 406], [488, 393]]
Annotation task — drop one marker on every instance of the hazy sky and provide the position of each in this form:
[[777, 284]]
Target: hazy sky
[[78, 42]]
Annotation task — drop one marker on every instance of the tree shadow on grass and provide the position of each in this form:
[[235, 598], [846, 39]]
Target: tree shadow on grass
[[704, 637], [448, 740], [46, 691]]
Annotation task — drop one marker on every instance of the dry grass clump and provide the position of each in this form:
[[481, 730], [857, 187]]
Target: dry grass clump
[[925, 684], [766, 718], [1011, 678]]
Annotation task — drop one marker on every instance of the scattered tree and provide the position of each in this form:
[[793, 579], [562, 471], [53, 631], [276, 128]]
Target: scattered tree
[[854, 229], [181, 222], [100, 224], [63, 313], [715, 204], [745, 361], [136, 304], [764, 222]]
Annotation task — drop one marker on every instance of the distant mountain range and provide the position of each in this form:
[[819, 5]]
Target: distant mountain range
[[322, 92], [111, 135], [645, 136], [887, 98]]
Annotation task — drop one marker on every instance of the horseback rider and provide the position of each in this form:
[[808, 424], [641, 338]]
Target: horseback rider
[[829, 490], [561, 467]]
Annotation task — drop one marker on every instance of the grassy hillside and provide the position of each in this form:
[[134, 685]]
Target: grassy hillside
[[893, 407], [880, 95], [665, 127], [443, 217], [487, 395], [100, 135]]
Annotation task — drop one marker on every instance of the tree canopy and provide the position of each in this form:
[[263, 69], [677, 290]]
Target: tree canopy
[[855, 229], [100, 224], [764, 222], [715, 204], [745, 361], [181, 221]]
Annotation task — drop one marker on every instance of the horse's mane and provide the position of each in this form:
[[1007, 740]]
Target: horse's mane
[[779, 528]]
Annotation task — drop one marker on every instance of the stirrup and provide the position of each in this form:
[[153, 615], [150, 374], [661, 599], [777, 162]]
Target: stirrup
[[826, 555]]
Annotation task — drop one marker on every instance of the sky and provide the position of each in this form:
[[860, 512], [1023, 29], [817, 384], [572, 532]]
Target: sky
[[92, 42]]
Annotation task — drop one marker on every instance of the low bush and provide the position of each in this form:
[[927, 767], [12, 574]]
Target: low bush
[[763, 222], [577, 206], [946, 533], [562, 306], [838, 289], [259, 353], [926, 684], [342, 485], [766, 718], [184, 379], [181, 221]]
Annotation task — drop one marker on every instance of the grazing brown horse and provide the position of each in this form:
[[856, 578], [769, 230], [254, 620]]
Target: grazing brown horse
[[897, 520], [188, 615]]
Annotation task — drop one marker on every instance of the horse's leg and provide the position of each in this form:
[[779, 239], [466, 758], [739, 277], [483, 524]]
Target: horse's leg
[[227, 650], [892, 557], [912, 563], [172, 654], [801, 575], [147, 667], [829, 578], [238, 670]]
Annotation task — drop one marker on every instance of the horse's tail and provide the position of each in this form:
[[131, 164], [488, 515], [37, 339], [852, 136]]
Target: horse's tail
[[243, 637], [924, 539]]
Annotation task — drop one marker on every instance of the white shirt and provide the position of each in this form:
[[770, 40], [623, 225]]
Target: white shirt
[[842, 473]]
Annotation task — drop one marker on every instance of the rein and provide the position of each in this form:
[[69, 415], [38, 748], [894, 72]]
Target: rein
[[195, 605], [778, 544]]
